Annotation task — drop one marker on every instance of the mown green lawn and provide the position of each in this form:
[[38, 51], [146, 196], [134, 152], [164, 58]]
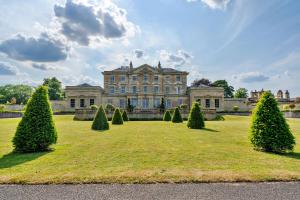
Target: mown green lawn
[[147, 152]]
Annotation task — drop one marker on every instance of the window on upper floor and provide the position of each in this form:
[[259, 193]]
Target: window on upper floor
[[145, 89], [112, 78], [134, 78], [178, 78], [134, 89], [155, 78], [123, 78], [156, 89], [123, 89], [111, 90], [178, 90], [145, 77], [167, 90]]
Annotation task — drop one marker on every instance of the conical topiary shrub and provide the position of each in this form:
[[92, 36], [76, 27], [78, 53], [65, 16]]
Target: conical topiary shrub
[[100, 120], [167, 116], [117, 117], [269, 130], [196, 119], [36, 131], [125, 116], [177, 116]]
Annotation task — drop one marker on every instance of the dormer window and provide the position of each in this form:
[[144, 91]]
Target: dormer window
[[177, 77]]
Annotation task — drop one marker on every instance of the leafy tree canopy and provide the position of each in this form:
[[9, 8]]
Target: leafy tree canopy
[[54, 88], [241, 93], [203, 81], [21, 93], [228, 90]]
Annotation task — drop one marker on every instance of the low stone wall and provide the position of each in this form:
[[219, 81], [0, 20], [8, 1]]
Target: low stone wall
[[88, 114], [292, 114], [242, 103], [10, 114]]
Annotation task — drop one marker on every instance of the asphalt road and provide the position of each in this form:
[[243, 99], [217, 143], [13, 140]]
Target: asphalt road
[[232, 191]]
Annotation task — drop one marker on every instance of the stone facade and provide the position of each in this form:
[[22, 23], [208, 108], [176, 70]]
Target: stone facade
[[145, 86], [82, 96]]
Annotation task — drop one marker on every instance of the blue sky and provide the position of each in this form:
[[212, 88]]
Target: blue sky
[[253, 44]]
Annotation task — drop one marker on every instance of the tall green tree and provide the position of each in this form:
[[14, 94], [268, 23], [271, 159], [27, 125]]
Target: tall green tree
[[162, 106], [117, 117], [54, 88], [167, 116], [241, 93], [20, 92], [125, 116], [176, 118], [100, 121], [129, 106], [36, 131], [269, 129], [196, 119], [228, 90]]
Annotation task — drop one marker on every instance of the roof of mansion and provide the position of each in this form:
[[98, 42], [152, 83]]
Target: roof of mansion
[[128, 69]]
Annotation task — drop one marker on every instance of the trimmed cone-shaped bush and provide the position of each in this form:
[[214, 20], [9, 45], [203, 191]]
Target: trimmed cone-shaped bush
[[177, 116], [36, 131], [196, 119], [167, 116], [269, 130], [117, 117], [125, 116], [100, 120]]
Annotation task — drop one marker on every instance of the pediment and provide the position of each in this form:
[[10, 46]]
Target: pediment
[[145, 68]]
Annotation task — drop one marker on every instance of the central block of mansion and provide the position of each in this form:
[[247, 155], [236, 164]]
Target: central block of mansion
[[145, 86]]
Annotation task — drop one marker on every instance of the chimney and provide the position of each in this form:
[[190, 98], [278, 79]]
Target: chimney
[[130, 66]]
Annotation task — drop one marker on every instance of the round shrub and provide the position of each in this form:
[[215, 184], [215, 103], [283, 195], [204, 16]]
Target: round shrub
[[36, 131], [117, 117], [235, 108], [167, 116], [177, 116], [292, 106], [94, 107], [269, 130], [100, 121], [125, 116], [196, 119]]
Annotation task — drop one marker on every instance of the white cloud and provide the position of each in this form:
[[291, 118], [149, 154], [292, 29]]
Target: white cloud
[[214, 4], [86, 21], [251, 77], [7, 69], [177, 59]]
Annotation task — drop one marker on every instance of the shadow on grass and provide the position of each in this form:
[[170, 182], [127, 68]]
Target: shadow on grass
[[12, 159], [210, 130], [295, 155]]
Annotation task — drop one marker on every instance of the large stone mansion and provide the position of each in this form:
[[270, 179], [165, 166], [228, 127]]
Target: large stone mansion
[[145, 86]]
